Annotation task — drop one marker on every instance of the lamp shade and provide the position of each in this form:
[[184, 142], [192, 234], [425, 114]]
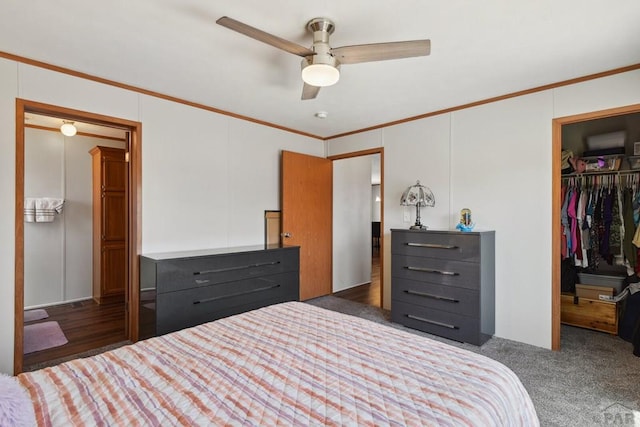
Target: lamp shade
[[418, 195], [68, 129]]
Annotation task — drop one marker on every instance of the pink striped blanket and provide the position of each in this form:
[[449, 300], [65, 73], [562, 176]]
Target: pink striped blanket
[[287, 364]]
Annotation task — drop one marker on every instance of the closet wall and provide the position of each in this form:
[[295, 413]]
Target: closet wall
[[58, 254]]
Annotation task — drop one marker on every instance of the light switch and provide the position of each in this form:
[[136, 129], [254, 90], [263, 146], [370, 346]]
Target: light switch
[[406, 215]]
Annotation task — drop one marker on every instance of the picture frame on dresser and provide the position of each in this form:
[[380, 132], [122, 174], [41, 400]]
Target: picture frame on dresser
[[443, 283]]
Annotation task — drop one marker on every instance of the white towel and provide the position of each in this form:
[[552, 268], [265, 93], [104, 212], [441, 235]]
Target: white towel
[[47, 207], [29, 209]]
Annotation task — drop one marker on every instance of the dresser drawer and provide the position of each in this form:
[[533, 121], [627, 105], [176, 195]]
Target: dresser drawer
[[186, 273], [449, 325], [453, 246], [438, 297], [433, 270], [184, 308]]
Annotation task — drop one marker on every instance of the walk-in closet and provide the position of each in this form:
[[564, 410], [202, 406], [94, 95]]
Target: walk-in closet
[[600, 230]]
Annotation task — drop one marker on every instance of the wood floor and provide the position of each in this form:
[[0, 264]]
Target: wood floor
[[86, 325], [369, 293]]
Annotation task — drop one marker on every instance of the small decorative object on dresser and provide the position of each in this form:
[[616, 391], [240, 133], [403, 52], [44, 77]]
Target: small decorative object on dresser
[[443, 283], [465, 224], [183, 289]]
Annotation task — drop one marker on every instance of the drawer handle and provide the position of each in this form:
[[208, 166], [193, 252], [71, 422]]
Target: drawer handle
[[432, 322], [431, 270], [438, 297], [202, 282], [265, 288], [431, 245], [241, 267]]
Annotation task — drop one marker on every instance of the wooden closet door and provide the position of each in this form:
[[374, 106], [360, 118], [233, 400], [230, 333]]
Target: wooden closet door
[[110, 224]]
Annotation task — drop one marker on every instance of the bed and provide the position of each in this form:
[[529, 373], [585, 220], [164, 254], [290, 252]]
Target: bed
[[286, 364]]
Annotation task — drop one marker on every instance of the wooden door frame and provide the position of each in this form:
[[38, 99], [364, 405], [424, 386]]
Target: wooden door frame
[[556, 182], [133, 219], [380, 151]]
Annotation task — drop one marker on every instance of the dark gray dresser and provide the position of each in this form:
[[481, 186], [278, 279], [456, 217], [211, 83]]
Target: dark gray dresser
[[183, 289], [443, 283]]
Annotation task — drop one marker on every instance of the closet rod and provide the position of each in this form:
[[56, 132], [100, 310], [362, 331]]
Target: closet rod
[[618, 173]]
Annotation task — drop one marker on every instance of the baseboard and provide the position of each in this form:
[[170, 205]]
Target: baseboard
[[49, 304]]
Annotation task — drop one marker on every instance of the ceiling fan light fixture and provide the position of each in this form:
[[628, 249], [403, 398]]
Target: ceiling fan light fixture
[[68, 128], [320, 75]]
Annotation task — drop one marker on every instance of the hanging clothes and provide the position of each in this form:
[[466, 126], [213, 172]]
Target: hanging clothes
[[599, 221]]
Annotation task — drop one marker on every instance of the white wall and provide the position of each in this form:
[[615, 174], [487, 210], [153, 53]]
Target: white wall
[[58, 259], [376, 198], [206, 178], [44, 242], [351, 222], [501, 170], [496, 160], [8, 87]]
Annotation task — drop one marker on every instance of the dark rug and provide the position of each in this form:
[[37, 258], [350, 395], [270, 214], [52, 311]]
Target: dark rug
[[33, 315], [41, 336]]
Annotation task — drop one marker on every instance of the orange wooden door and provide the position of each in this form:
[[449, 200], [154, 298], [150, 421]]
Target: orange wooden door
[[307, 210]]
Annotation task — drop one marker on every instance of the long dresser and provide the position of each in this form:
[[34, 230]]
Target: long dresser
[[183, 289], [443, 283]]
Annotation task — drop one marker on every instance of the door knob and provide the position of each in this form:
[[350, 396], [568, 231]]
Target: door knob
[[286, 235]]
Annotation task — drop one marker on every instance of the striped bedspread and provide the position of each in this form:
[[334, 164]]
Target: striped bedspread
[[288, 364]]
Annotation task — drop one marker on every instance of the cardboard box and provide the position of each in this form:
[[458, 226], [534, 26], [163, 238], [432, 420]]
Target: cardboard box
[[593, 292]]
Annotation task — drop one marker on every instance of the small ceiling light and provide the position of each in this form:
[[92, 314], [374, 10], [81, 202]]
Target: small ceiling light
[[68, 128], [322, 69], [321, 114], [320, 75]]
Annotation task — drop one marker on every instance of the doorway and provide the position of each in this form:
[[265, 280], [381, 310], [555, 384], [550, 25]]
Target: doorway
[[129, 310], [370, 293], [557, 146]]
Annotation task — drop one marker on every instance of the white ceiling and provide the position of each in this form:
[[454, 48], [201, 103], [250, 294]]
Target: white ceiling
[[480, 49]]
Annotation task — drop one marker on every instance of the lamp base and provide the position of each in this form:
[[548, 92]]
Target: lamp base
[[418, 227]]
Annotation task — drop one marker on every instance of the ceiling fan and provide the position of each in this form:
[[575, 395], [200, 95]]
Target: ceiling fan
[[321, 63]]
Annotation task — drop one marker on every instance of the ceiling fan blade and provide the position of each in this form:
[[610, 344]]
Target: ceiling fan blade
[[264, 37], [381, 51], [309, 92]]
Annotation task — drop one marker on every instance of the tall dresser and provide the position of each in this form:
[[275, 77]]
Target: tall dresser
[[443, 283], [183, 289]]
